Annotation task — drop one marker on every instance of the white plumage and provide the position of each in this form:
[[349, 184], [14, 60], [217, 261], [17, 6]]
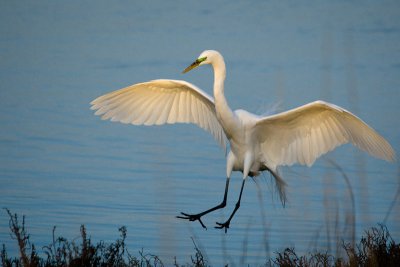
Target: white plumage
[[257, 143], [158, 102], [303, 134]]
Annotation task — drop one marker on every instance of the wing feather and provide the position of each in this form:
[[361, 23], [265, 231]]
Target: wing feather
[[156, 111], [164, 110], [303, 134], [158, 102], [149, 117], [174, 113], [194, 108]]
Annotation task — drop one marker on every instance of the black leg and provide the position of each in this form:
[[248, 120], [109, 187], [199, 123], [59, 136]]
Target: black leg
[[225, 225], [196, 217]]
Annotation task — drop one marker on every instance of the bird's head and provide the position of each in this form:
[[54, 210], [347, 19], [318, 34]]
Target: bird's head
[[205, 57]]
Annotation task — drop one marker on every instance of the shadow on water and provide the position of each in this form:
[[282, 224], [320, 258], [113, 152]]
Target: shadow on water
[[395, 199], [349, 229], [353, 98]]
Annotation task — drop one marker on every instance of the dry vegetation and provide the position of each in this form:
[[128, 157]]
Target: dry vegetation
[[376, 248]]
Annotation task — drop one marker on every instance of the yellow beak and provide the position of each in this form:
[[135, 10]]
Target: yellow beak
[[194, 64]]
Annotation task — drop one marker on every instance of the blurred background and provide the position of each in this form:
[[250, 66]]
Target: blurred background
[[62, 166]]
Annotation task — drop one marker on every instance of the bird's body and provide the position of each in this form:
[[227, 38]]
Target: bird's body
[[257, 143], [243, 142]]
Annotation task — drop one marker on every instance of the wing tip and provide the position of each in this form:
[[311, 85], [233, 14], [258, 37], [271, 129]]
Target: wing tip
[[390, 155]]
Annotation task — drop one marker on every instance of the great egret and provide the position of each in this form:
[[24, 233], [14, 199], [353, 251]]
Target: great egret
[[257, 143]]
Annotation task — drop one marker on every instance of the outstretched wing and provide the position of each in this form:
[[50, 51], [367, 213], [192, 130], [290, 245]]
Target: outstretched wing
[[158, 102], [303, 134]]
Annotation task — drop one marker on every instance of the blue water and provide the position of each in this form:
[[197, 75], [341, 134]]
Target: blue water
[[62, 166]]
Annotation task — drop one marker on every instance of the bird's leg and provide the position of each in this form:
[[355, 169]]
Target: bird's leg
[[225, 225], [196, 217]]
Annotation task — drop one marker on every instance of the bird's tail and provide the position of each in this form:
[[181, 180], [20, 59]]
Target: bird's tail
[[280, 186]]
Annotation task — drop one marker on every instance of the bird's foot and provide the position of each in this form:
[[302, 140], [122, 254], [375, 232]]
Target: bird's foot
[[224, 225], [192, 217]]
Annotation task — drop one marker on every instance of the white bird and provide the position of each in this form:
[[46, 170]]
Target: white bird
[[257, 143]]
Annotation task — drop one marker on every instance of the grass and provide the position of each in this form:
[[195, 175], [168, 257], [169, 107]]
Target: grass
[[376, 248]]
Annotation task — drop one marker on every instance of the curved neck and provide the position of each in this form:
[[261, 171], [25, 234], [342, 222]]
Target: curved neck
[[224, 113], [219, 76]]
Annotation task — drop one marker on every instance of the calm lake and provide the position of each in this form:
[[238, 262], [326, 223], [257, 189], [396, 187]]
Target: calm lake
[[62, 166]]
